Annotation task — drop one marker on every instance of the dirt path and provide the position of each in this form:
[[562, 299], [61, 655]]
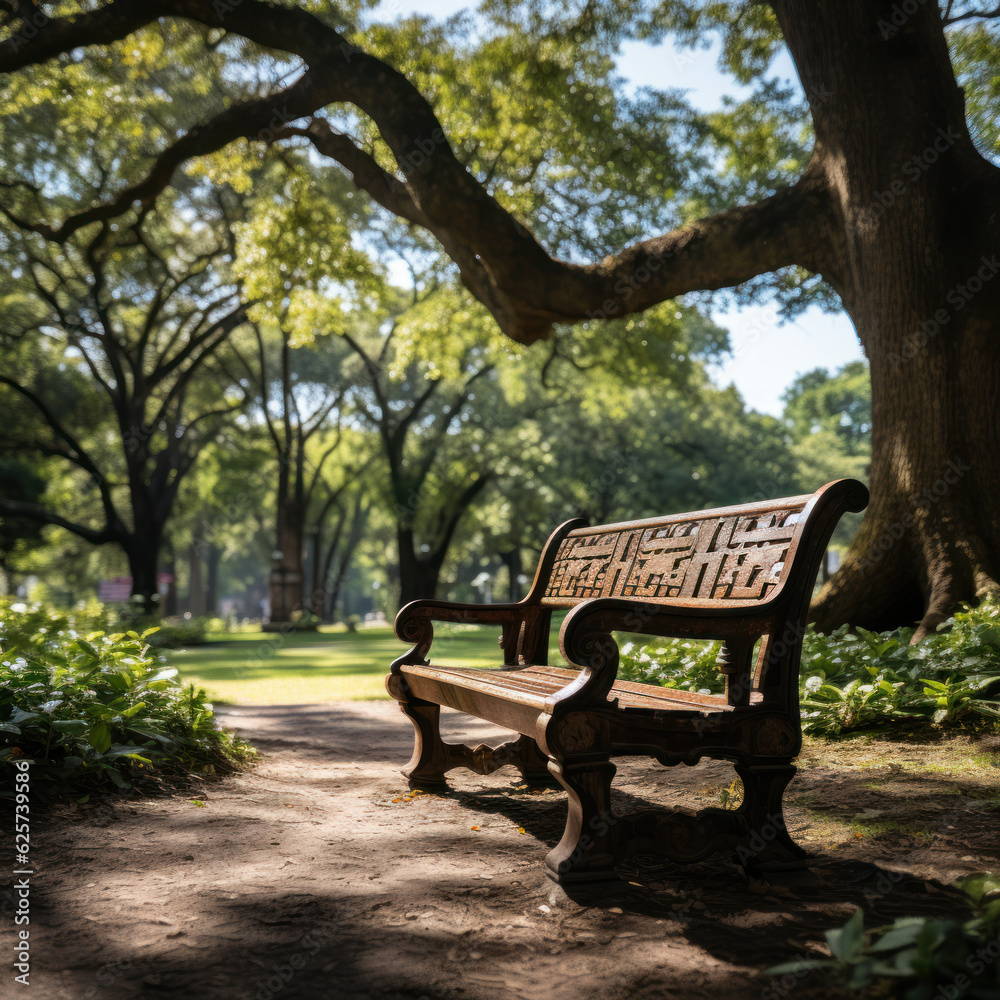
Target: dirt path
[[315, 875]]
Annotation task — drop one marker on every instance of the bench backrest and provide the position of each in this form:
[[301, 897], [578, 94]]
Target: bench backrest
[[750, 555], [730, 554]]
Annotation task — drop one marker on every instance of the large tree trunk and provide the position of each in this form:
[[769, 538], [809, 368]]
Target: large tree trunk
[[418, 573], [333, 579], [196, 579], [512, 560], [212, 556], [917, 269], [143, 550], [168, 597], [285, 581]]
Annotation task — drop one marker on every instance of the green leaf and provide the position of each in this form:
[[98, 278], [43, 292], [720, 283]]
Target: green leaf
[[19, 715], [902, 934], [75, 726], [150, 733], [100, 736], [117, 752], [860, 974], [116, 777], [847, 941], [164, 675], [88, 647]]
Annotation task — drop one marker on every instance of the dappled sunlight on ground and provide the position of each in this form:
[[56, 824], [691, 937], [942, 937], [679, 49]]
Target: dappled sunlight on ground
[[318, 875]]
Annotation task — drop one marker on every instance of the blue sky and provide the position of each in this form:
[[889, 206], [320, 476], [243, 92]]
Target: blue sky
[[767, 355]]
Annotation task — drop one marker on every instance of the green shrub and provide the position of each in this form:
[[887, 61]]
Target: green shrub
[[97, 710], [674, 663], [175, 633], [920, 958], [853, 679]]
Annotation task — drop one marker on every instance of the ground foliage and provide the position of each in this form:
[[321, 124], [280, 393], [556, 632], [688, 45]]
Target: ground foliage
[[853, 679], [920, 958], [96, 710]]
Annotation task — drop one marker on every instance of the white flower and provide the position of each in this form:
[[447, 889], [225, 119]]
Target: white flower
[[814, 683]]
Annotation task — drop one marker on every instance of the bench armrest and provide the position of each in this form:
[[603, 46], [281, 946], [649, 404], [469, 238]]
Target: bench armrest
[[585, 639], [414, 624]]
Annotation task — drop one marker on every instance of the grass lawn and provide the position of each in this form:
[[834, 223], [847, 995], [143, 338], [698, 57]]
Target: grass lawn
[[261, 668]]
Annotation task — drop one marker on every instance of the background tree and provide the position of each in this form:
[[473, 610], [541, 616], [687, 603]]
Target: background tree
[[222, 522], [23, 483], [830, 420], [297, 257], [129, 325], [888, 199], [416, 406]]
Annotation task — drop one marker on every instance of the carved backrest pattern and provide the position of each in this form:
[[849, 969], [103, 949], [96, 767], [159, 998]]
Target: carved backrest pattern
[[719, 556]]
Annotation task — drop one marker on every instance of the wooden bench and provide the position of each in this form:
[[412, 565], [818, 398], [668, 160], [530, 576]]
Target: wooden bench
[[741, 574]]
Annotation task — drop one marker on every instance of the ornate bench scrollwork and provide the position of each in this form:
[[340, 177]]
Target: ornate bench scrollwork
[[740, 574]]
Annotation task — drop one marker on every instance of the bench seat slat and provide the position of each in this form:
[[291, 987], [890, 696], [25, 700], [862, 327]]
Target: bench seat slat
[[532, 686]]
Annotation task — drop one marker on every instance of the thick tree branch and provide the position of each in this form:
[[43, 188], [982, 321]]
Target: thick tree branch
[[969, 15], [499, 260], [390, 192], [77, 453], [40, 515]]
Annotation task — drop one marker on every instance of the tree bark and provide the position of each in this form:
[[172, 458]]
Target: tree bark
[[919, 276], [142, 550], [212, 556], [419, 574], [897, 211], [512, 560], [196, 580], [168, 599], [286, 573]]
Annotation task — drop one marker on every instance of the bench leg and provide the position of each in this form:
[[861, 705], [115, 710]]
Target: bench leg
[[767, 843], [586, 853], [531, 762], [431, 757]]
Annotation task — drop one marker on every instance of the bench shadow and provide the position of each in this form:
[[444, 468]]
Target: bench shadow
[[721, 906], [714, 903]]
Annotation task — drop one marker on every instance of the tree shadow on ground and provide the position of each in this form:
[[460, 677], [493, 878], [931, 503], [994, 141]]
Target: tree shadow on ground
[[734, 914]]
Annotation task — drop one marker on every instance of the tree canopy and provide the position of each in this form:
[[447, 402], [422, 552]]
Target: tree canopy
[[563, 199]]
